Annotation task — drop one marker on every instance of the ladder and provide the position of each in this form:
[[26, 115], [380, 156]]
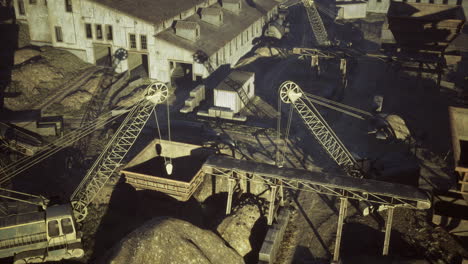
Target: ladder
[[316, 23], [291, 93], [114, 152]]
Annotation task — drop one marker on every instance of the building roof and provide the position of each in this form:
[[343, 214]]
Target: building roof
[[213, 38], [214, 11], [186, 25], [152, 11], [241, 77]]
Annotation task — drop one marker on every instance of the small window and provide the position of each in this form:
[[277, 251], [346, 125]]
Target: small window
[[32, 2], [143, 42], [220, 17], [67, 226], [197, 32], [45, 2], [133, 44], [21, 9], [445, 2], [109, 33], [230, 48], [89, 31], [53, 228], [58, 34], [247, 35], [98, 32], [68, 6], [379, 1]]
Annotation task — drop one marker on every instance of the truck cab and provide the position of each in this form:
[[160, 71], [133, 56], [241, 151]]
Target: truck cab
[[62, 236]]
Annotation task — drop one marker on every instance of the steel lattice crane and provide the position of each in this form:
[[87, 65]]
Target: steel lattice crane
[[291, 93], [51, 234], [114, 152], [315, 20]]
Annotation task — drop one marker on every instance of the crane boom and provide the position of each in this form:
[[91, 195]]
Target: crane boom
[[316, 23], [116, 149], [291, 93]]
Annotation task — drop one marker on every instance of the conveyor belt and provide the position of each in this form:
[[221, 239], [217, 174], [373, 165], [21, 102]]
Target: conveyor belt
[[386, 193]]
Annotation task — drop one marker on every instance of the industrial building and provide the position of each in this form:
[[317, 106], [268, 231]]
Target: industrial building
[[159, 35], [234, 131]]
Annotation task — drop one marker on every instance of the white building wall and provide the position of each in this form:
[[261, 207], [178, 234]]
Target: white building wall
[[376, 6]]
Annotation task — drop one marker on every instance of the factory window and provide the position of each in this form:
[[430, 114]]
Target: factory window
[[431, 1], [98, 31], [109, 32], [236, 43], [220, 17], [133, 43], [418, 1], [67, 227], [242, 38], [252, 30], [53, 228], [68, 6], [89, 31], [379, 1], [445, 2], [21, 9], [32, 2], [143, 42], [247, 35], [248, 89], [58, 34], [230, 48], [217, 59], [197, 32]]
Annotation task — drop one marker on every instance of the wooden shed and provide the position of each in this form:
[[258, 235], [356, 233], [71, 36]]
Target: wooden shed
[[225, 96]]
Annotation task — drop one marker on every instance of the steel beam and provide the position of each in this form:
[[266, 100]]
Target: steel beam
[[271, 209], [372, 191], [231, 184], [388, 230], [339, 230]]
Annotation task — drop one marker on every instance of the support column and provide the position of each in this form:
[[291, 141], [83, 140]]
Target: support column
[[281, 190], [388, 230], [271, 210], [341, 217], [231, 183]]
